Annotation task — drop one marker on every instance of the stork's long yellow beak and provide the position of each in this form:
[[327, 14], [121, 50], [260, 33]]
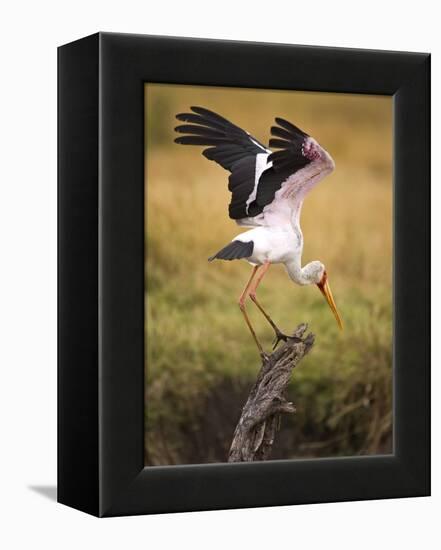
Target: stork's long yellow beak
[[325, 289]]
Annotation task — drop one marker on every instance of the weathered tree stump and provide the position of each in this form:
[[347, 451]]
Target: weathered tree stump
[[255, 432]]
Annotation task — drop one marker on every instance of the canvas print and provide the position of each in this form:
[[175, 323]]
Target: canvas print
[[257, 203]]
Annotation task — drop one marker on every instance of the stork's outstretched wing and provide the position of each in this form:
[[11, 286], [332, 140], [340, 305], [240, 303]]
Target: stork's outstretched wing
[[260, 180], [232, 148], [298, 165]]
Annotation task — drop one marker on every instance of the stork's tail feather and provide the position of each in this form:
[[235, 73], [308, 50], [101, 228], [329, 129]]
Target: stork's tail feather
[[234, 251]]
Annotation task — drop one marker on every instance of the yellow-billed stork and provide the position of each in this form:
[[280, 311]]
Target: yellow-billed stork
[[267, 192]]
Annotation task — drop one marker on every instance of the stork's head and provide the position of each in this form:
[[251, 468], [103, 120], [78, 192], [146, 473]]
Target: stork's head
[[316, 273]]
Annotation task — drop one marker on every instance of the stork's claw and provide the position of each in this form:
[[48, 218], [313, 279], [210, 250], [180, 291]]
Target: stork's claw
[[280, 336], [265, 357]]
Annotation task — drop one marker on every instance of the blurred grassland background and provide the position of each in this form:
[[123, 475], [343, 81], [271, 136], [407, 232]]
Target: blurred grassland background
[[200, 359]]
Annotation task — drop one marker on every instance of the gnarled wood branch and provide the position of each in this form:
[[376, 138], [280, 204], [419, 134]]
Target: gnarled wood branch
[[255, 432]]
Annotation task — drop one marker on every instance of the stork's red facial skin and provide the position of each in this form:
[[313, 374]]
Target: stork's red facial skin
[[325, 289]]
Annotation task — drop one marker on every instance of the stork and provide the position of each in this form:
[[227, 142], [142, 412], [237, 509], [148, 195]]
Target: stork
[[267, 192]]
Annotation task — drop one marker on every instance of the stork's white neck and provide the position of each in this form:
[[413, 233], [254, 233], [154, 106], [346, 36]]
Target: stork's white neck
[[295, 273], [307, 275]]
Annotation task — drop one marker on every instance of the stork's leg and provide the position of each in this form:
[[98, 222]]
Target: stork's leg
[[242, 299], [252, 293], [253, 296]]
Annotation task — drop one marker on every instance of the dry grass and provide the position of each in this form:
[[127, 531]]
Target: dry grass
[[196, 339]]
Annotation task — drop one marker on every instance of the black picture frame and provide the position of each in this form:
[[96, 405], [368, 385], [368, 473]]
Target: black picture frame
[[101, 274]]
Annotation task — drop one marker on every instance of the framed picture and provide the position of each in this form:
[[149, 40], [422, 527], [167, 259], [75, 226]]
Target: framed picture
[[175, 394]]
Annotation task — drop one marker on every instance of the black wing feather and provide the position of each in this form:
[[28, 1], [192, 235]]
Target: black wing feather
[[201, 121], [290, 156], [212, 129], [241, 184], [234, 251], [211, 115], [281, 133], [198, 130], [293, 130], [289, 139], [228, 145], [199, 140], [279, 143]]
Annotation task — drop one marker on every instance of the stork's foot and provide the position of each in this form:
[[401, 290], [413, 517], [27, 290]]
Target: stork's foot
[[280, 336], [265, 357]]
